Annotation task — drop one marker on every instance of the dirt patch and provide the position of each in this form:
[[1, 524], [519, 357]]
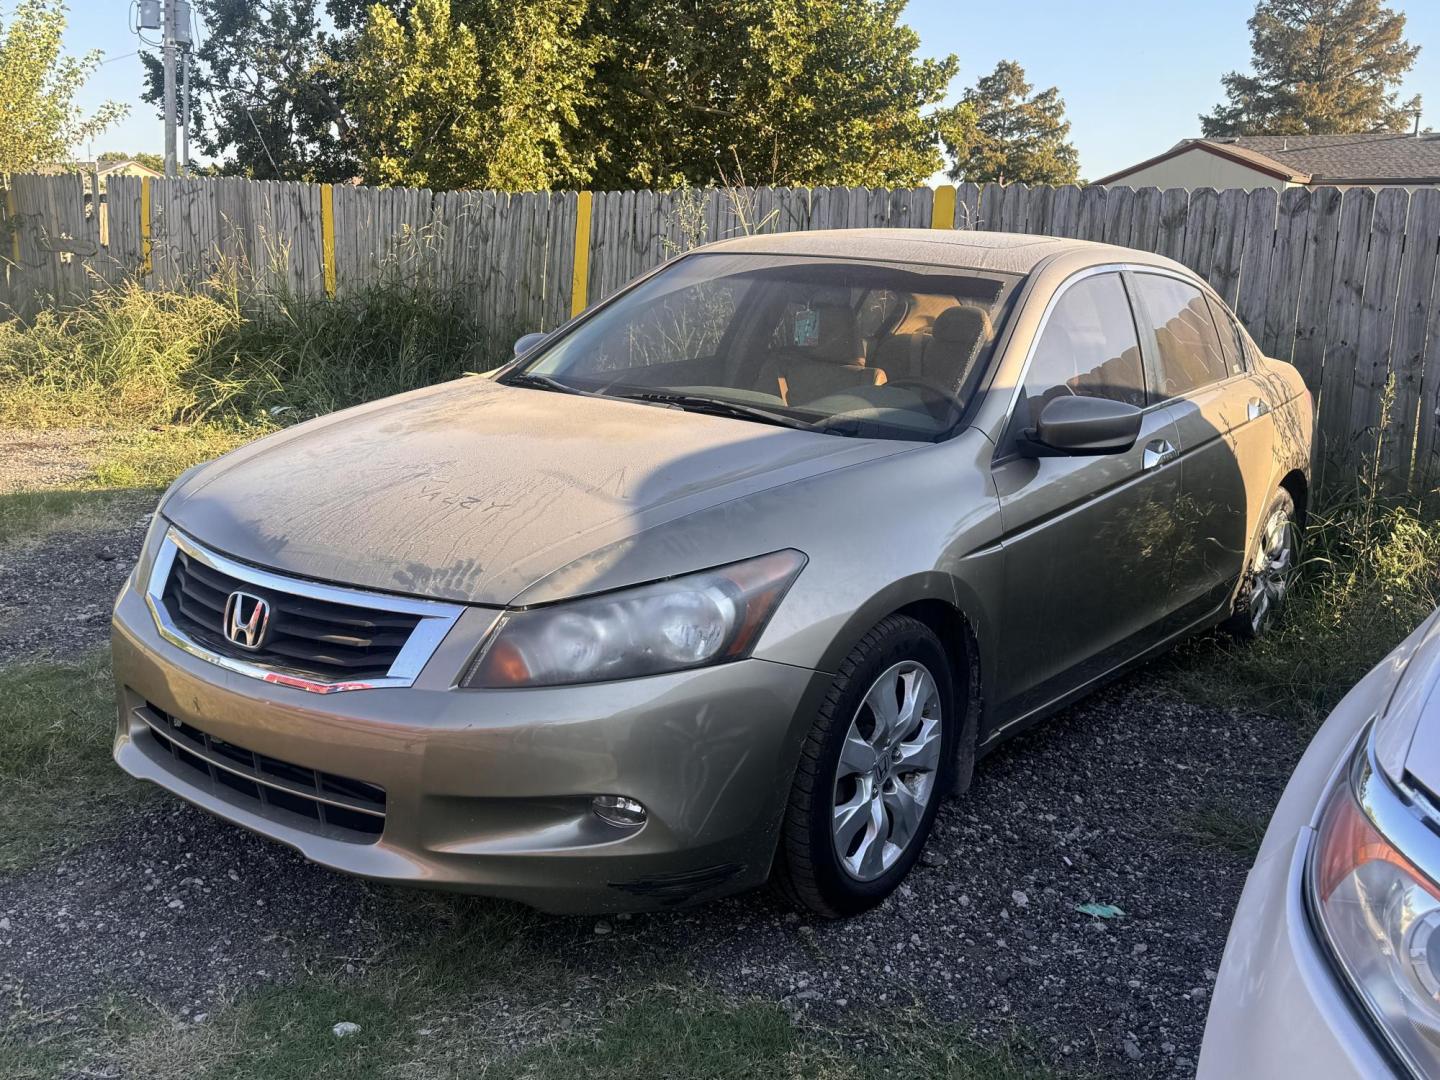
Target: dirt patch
[[36, 460]]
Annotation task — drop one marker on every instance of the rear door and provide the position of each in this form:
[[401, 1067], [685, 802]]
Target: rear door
[[1224, 437], [1087, 562]]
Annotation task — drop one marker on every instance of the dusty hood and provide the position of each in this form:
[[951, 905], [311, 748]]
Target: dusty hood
[[472, 490]]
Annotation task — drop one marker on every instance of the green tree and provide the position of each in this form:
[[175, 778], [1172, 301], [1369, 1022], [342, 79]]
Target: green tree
[[266, 91], [548, 93], [1319, 67], [482, 95], [38, 85], [1001, 131], [779, 91]]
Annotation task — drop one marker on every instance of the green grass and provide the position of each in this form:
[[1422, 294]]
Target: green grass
[[667, 1029], [1223, 828], [1370, 574], [57, 782]]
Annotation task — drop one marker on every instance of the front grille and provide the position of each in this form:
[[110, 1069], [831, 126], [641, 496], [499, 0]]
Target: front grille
[[320, 637], [322, 802]]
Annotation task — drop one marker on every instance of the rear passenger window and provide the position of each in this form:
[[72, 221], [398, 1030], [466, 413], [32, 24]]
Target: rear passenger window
[[1088, 348], [1189, 347], [1232, 344]]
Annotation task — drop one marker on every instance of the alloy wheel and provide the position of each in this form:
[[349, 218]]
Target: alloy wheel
[[1273, 566], [886, 775]]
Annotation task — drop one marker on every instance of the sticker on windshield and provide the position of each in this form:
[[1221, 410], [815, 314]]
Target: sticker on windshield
[[807, 327]]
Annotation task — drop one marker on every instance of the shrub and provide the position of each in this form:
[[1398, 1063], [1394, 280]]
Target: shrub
[[127, 356]]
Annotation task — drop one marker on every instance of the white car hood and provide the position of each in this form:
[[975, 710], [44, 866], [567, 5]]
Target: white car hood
[[1407, 734]]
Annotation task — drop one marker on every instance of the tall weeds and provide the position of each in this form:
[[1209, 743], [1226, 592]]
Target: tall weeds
[[1369, 575], [130, 357]]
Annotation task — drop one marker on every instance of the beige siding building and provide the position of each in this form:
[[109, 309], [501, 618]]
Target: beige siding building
[[1281, 161]]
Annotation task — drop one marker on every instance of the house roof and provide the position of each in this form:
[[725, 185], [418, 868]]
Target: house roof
[[54, 168], [1375, 158]]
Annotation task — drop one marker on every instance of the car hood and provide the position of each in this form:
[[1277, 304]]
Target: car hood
[[472, 490], [1407, 733]]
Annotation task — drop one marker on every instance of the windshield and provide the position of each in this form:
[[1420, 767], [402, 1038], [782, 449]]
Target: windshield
[[876, 350]]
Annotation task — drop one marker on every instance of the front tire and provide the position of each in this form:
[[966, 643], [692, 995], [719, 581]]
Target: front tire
[[1265, 585], [871, 773]]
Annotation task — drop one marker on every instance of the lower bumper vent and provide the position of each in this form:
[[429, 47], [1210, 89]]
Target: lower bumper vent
[[323, 802]]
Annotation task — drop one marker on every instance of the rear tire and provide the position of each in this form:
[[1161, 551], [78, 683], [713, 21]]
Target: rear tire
[[872, 773], [1265, 585]]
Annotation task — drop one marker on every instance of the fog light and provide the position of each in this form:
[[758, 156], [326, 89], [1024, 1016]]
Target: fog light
[[618, 810]]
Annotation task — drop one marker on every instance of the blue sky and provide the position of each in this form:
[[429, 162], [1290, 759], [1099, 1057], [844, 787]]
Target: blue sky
[[1134, 73]]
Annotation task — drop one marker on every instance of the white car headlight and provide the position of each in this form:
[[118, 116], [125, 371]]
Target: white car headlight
[[1380, 915], [684, 622]]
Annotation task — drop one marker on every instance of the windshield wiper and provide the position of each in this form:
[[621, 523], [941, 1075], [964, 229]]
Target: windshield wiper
[[544, 382], [719, 407]]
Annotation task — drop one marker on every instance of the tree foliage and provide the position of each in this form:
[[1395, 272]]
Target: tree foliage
[[1002, 131], [38, 84], [265, 90], [550, 93], [776, 91], [484, 96], [1319, 67]]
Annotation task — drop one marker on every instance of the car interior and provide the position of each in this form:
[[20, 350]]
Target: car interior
[[867, 348]]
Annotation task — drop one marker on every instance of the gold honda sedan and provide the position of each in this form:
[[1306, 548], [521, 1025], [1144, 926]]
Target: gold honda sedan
[[728, 580]]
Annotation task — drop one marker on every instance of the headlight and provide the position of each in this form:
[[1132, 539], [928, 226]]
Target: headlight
[[1380, 915], [685, 622], [140, 576]]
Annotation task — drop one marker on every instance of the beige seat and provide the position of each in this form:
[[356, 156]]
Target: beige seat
[[833, 364], [942, 356]]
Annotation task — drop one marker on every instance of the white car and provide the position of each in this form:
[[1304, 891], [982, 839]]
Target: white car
[[1332, 968]]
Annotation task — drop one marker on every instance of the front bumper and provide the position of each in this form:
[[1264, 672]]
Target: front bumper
[[489, 791]]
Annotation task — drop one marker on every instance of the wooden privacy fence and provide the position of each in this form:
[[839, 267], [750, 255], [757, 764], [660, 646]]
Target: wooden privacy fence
[[1340, 282]]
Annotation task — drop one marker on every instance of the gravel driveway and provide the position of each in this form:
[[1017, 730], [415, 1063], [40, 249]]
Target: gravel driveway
[[1090, 807]]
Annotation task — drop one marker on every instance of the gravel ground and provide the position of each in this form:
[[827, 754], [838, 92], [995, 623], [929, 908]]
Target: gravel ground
[[187, 910], [56, 592]]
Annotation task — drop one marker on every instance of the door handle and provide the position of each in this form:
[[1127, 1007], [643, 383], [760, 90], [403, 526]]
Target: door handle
[[1157, 453], [1256, 408]]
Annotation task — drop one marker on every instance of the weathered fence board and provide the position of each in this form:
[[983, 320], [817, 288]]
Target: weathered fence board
[[1341, 283]]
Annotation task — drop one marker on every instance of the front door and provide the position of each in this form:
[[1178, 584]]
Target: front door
[[1087, 540]]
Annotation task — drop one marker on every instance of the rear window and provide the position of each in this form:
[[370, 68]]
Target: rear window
[[1185, 335]]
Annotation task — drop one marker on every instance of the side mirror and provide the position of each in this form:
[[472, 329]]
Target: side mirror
[[1074, 426], [528, 342]]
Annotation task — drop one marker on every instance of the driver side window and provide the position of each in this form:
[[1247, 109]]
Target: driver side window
[[1089, 347]]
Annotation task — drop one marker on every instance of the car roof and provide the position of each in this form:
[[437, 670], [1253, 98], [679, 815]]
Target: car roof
[[969, 249]]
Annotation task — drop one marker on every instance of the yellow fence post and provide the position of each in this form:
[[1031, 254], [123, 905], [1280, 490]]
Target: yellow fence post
[[145, 225], [942, 210], [327, 236], [580, 281]]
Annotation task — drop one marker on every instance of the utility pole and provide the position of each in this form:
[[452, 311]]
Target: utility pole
[[185, 112], [168, 19]]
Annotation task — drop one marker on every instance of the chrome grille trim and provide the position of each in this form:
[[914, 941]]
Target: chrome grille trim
[[435, 619]]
